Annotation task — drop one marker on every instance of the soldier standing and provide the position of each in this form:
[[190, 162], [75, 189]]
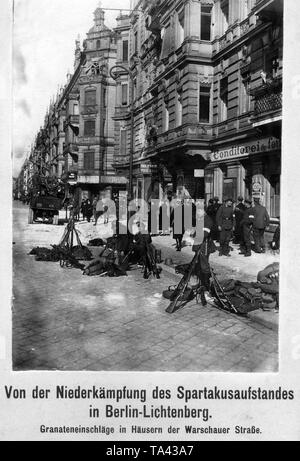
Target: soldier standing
[[239, 213], [246, 226], [225, 221], [261, 221]]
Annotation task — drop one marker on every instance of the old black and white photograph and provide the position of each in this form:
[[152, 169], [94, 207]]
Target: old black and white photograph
[[146, 200]]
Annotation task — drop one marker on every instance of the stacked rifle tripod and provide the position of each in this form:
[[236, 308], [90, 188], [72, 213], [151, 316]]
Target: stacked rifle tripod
[[207, 281], [66, 245]]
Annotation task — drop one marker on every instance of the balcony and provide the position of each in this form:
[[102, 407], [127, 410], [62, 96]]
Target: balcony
[[74, 119], [70, 148], [87, 109], [268, 100]]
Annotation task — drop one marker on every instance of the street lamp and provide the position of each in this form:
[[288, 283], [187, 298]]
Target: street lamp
[[114, 73]]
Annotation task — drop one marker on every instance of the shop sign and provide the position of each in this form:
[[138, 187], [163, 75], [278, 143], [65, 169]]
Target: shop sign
[[88, 179], [248, 148], [256, 187], [113, 180], [199, 173], [148, 168]]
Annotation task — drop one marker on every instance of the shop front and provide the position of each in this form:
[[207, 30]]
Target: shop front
[[250, 169]]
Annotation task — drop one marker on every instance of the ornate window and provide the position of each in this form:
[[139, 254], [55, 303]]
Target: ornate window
[[204, 103], [89, 128], [90, 97], [206, 22], [89, 160]]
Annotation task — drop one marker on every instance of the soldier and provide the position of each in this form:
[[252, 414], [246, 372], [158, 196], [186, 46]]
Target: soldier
[[225, 221], [261, 221], [246, 226], [239, 213]]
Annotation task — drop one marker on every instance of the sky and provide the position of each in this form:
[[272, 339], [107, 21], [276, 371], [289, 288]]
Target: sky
[[44, 34]]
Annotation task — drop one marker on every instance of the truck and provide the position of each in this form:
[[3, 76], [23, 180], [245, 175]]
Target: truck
[[45, 207]]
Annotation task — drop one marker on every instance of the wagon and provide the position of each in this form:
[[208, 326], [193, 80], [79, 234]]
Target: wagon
[[45, 208]]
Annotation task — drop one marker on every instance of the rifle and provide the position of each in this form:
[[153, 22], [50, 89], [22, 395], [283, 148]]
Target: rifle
[[150, 263], [220, 295], [180, 291], [66, 258]]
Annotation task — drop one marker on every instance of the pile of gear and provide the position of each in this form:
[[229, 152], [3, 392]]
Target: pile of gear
[[45, 254], [114, 258], [249, 296]]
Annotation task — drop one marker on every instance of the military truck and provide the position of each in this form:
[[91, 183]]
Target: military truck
[[44, 207]]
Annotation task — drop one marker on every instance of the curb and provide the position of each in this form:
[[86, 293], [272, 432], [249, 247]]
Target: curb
[[269, 320]]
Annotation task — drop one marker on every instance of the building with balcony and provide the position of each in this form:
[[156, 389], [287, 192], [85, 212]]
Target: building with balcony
[[89, 102], [247, 102], [207, 96], [170, 59]]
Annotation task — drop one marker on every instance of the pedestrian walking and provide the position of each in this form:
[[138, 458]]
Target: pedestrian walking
[[239, 214], [246, 226], [99, 210], [106, 202], [87, 209], [177, 223], [213, 214], [94, 204], [261, 221], [225, 221]]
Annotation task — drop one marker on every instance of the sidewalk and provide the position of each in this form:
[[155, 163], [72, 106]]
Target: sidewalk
[[237, 267]]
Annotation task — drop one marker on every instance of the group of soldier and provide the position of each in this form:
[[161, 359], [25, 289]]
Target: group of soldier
[[247, 218]]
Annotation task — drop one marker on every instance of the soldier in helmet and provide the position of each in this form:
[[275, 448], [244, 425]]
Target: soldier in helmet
[[226, 222], [246, 226]]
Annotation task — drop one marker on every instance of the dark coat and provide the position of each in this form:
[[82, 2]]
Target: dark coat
[[239, 213], [177, 220], [248, 217], [261, 217], [225, 217]]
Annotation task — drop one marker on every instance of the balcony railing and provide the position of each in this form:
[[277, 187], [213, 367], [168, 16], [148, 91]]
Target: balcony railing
[[89, 109], [268, 97], [74, 119]]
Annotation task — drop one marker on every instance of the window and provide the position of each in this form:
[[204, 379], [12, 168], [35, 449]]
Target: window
[[245, 95], [135, 42], [124, 87], [123, 141], [104, 93], [224, 15], [179, 109], [275, 196], [180, 27], [88, 160], [97, 44], [89, 128], [90, 97], [206, 22], [134, 89], [75, 109], [204, 104], [224, 98], [125, 51], [166, 117]]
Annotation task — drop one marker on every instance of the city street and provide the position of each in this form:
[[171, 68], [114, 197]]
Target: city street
[[63, 320]]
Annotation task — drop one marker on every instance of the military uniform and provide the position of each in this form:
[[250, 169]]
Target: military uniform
[[226, 220], [246, 225], [239, 214], [261, 221]]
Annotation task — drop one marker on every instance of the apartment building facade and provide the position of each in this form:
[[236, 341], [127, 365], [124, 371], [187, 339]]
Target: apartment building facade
[[206, 81]]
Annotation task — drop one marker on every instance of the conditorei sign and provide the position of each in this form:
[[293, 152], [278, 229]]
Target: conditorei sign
[[246, 149]]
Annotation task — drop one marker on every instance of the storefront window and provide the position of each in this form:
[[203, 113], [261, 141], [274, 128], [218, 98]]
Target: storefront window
[[230, 188], [275, 196]]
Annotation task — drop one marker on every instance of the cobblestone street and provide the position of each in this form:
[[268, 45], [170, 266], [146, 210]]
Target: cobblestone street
[[66, 321]]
